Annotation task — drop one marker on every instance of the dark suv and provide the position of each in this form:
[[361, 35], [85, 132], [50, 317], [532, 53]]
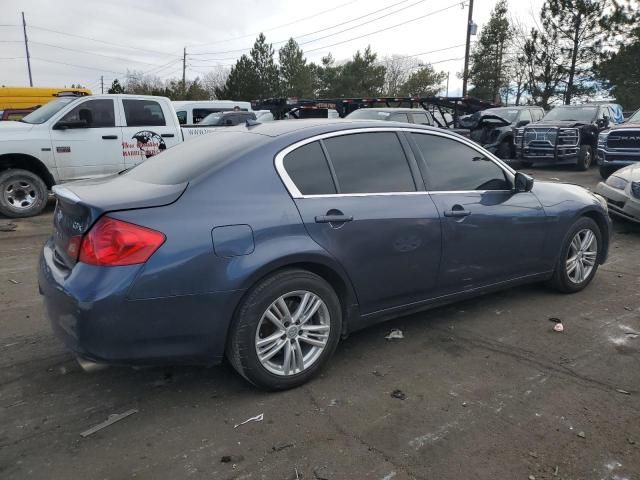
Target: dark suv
[[566, 134], [493, 128], [619, 146]]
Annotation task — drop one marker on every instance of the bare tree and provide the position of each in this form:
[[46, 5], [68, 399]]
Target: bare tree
[[398, 69], [215, 78]]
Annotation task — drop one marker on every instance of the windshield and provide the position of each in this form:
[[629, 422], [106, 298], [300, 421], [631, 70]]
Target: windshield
[[211, 119], [509, 114], [574, 114], [635, 118], [47, 111], [366, 114]]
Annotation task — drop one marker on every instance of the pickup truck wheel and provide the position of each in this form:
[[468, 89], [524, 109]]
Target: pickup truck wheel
[[22, 193], [585, 156]]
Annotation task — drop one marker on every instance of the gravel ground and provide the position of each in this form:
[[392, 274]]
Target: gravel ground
[[483, 389]]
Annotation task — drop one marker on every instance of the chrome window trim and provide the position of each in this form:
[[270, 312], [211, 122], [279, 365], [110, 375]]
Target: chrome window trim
[[295, 193]]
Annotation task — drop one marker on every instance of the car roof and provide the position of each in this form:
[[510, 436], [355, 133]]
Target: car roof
[[392, 109], [284, 127]]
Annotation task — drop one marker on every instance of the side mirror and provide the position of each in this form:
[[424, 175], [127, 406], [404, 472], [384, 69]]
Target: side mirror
[[61, 125], [522, 123], [522, 183]]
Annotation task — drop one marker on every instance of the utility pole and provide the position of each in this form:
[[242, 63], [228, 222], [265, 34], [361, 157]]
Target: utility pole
[[26, 47], [448, 83], [184, 70], [465, 76], [102, 83]]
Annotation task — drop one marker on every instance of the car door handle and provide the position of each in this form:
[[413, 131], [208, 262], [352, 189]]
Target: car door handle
[[457, 211], [167, 135], [333, 218], [109, 137]]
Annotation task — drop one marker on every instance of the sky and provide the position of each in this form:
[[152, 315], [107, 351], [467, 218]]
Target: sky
[[80, 41]]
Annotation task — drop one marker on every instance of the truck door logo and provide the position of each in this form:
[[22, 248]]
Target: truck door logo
[[63, 149], [147, 144]]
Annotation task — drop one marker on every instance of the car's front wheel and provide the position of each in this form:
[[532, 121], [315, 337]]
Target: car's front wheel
[[285, 330], [578, 260]]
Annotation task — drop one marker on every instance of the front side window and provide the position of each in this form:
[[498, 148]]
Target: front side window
[[537, 115], [421, 119], [454, 166], [93, 114], [308, 169], [44, 113], [370, 163], [143, 113]]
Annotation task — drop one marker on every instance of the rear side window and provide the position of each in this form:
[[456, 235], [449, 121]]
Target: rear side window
[[370, 163], [421, 118], [307, 166], [399, 117], [454, 166], [143, 113]]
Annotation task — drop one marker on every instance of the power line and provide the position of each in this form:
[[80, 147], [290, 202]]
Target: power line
[[92, 53], [78, 66], [238, 50], [386, 28], [100, 41], [252, 35]]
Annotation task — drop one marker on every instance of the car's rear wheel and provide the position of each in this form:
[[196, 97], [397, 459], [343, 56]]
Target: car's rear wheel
[[578, 260], [22, 193], [585, 157], [285, 330]]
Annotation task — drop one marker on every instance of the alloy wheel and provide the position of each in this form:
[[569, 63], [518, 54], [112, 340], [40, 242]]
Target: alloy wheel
[[292, 333], [582, 256]]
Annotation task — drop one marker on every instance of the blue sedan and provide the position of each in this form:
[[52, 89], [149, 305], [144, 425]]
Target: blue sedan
[[267, 244]]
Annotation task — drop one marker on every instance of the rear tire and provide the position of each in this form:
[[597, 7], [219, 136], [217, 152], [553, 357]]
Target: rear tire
[[302, 341], [606, 171], [572, 276], [22, 193], [585, 157]]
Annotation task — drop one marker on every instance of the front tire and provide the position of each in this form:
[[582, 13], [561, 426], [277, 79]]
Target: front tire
[[585, 157], [285, 330], [579, 257], [22, 193]]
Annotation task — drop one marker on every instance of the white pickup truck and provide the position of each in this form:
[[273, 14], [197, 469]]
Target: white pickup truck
[[72, 138]]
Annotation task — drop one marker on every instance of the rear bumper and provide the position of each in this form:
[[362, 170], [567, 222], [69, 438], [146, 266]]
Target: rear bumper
[[89, 311], [619, 203]]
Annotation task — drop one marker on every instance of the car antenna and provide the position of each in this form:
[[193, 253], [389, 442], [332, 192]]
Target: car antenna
[[252, 123]]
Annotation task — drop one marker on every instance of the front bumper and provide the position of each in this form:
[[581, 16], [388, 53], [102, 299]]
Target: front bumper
[[619, 202], [618, 159], [90, 312], [549, 155]]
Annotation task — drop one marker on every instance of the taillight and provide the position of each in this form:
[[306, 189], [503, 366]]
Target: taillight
[[112, 242]]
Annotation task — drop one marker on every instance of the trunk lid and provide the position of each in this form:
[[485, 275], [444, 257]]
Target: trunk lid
[[80, 204]]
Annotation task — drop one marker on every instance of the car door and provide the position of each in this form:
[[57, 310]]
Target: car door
[[146, 131], [86, 141], [489, 233], [359, 198]]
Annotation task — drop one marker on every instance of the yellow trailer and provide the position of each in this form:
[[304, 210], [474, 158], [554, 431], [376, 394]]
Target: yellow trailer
[[30, 97]]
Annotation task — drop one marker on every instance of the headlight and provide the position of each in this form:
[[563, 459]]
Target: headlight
[[602, 139], [616, 182], [602, 201]]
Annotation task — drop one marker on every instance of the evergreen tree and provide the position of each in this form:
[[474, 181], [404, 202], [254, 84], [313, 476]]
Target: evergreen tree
[[296, 76], [488, 72], [580, 28], [362, 76], [242, 83], [620, 74], [116, 87], [424, 82], [326, 78], [266, 70], [543, 64]]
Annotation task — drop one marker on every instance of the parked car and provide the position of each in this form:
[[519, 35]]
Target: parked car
[[73, 137], [622, 192], [264, 115], [493, 128], [269, 243], [566, 134], [619, 146], [192, 113], [407, 115]]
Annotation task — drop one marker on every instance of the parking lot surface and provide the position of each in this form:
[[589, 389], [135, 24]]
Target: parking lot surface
[[481, 389]]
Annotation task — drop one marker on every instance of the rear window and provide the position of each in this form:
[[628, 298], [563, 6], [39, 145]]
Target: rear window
[[187, 161]]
